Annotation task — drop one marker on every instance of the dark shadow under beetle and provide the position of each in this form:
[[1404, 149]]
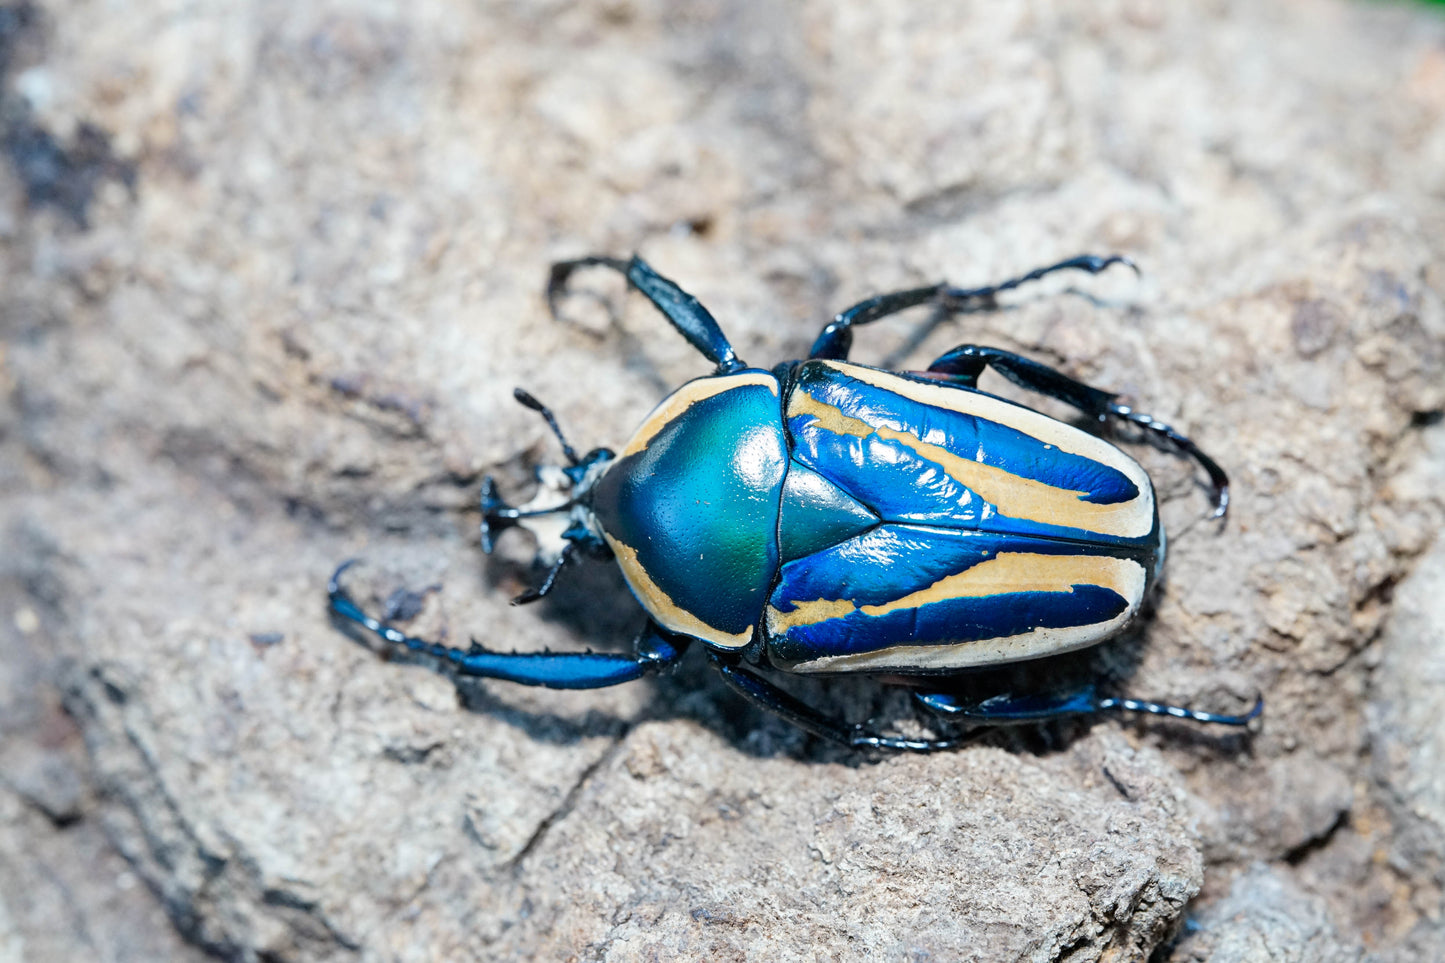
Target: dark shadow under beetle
[[690, 690]]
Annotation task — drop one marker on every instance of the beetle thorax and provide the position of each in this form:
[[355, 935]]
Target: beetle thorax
[[690, 507]]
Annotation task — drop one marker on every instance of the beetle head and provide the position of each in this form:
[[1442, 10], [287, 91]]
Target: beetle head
[[558, 515]]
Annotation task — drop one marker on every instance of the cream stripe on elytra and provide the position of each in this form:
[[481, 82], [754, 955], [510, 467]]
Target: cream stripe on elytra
[[968, 655], [662, 607], [688, 395], [981, 652], [1004, 573], [1013, 495]]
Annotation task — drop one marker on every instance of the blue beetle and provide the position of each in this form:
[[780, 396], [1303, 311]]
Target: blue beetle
[[828, 517]]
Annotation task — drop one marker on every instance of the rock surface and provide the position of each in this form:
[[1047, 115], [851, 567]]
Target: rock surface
[[271, 272], [1266, 918]]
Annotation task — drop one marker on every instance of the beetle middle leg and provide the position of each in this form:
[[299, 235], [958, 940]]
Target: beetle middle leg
[[761, 692], [836, 339], [654, 650], [1010, 709], [964, 364]]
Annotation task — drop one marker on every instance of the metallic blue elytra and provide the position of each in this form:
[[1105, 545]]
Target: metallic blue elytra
[[827, 517], [1000, 535]]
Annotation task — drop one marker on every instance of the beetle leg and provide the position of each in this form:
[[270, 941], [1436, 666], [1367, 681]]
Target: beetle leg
[[836, 339], [761, 692], [1008, 709], [1217, 477], [549, 580], [683, 310], [965, 363], [654, 650]]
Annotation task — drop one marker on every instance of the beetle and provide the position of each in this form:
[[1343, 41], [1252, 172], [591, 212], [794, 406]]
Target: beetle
[[829, 517]]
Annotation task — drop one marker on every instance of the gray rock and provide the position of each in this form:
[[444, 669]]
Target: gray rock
[[270, 275], [1266, 918], [1408, 739]]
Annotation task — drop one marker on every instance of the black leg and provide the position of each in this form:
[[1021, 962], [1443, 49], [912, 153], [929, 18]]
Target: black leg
[[688, 316], [555, 670], [1217, 477], [965, 363], [541, 591], [836, 340], [759, 691], [1010, 709]]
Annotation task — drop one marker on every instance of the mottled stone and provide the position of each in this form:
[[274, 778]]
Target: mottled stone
[[1266, 918], [271, 272]]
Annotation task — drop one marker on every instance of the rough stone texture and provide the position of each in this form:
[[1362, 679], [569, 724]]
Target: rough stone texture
[[1265, 918], [1406, 709], [270, 272]]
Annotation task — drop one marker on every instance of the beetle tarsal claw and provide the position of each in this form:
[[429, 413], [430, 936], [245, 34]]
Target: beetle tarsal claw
[[536, 592]]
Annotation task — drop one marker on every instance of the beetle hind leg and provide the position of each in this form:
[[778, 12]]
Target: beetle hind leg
[[1011, 709], [761, 692], [654, 651], [965, 363]]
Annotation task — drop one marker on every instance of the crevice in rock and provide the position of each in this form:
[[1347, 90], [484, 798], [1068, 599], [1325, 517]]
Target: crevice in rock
[[514, 865], [1069, 951], [1117, 784], [1297, 855], [411, 755], [1382, 593]]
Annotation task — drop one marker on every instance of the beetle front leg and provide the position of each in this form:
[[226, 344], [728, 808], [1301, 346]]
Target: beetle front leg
[[1011, 709], [836, 339], [654, 650], [964, 364], [684, 311], [761, 692]]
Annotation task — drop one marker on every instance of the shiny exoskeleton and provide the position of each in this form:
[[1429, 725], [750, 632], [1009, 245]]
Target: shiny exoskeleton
[[827, 517]]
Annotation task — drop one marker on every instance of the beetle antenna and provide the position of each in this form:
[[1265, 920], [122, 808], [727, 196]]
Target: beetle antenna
[[528, 401]]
